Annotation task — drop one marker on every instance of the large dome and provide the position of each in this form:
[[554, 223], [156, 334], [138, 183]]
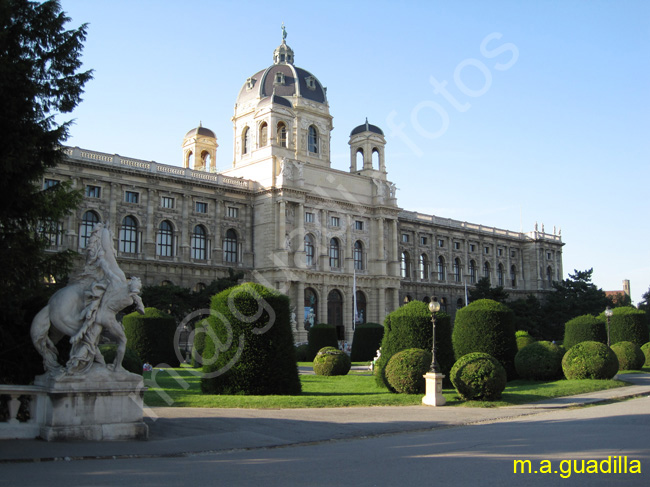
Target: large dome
[[282, 79]]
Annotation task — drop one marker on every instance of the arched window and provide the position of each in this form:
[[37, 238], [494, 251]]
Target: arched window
[[264, 134], [472, 272], [230, 247], [335, 259], [405, 265], [441, 268], [165, 241], [500, 275], [205, 157], [375, 158], [361, 316], [199, 243], [513, 276], [358, 255], [128, 241], [88, 222], [549, 275], [312, 140], [245, 142], [190, 159], [359, 158], [282, 134], [457, 270], [335, 312], [486, 270], [310, 250], [423, 265], [310, 305]]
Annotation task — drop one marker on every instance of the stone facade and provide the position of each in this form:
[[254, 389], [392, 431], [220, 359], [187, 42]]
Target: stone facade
[[286, 217]]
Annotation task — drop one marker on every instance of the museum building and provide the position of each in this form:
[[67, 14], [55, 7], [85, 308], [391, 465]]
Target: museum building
[[286, 218]]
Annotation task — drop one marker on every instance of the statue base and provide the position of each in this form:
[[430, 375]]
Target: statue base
[[98, 405], [433, 395]]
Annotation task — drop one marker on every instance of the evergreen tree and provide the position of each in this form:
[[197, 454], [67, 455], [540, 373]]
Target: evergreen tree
[[39, 80], [483, 290]]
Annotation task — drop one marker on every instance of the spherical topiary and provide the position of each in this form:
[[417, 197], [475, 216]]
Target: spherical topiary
[[523, 339], [131, 361], [405, 370], [302, 353], [590, 360], [486, 326], [152, 336], [410, 326], [646, 351], [585, 328], [478, 375], [367, 339], [627, 324], [539, 361], [629, 355], [331, 361], [321, 335]]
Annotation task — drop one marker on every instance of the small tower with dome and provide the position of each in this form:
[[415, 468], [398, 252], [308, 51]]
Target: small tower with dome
[[200, 149], [367, 151]]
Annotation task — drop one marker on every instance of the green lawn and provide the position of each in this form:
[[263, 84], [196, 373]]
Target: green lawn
[[180, 387]]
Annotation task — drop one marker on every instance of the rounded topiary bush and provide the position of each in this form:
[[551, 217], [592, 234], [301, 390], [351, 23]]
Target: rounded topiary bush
[[486, 326], [629, 355], [321, 335], [367, 339], [627, 324], [131, 361], [590, 360], [523, 338], [405, 370], [331, 361], [539, 361], [249, 348], [478, 376], [198, 343], [302, 353], [151, 335], [646, 351], [585, 328], [410, 327]]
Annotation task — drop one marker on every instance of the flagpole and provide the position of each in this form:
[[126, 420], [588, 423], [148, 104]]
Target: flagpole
[[354, 298]]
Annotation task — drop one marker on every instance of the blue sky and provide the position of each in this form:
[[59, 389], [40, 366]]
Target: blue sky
[[504, 113]]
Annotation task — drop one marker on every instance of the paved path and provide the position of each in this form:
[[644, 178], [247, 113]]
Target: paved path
[[188, 431]]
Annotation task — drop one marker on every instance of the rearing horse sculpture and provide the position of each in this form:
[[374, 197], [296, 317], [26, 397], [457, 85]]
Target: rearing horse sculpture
[[84, 308]]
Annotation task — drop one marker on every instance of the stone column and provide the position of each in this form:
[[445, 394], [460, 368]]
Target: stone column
[[184, 229], [381, 306], [282, 225], [150, 232]]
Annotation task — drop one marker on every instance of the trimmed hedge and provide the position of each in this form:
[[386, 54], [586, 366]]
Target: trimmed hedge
[[250, 348], [590, 360], [478, 376], [627, 324], [646, 351], [151, 335], [405, 370], [131, 361], [539, 361], [320, 336], [585, 328], [198, 343], [410, 327], [302, 353], [331, 361], [486, 326], [366, 341], [523, 338], [629, 355]]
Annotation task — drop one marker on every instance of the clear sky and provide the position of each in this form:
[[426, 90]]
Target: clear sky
[[504, 113]]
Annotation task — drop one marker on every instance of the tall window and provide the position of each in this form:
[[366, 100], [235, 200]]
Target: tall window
[[51, 231], [486, 270], [128, 242], [230, 246], [423, 265], [335, 260], [441, 268], [405, 265], [472, 272], [309, 250], [549, 275], [199, 243], [358, 255], [245, 142], [457, 270], [282, 134], [264, 134], [88, 222], [361, 316], [335, 312], [500, 275], [165, 239], [312, 140], [513, 276]]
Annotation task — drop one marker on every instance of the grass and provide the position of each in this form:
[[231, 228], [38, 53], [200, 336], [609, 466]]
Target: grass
[[180, 387]]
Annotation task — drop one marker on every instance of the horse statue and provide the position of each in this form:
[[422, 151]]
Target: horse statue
[[84, 308]]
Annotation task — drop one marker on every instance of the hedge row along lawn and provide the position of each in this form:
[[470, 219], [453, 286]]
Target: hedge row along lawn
[[180, 387]]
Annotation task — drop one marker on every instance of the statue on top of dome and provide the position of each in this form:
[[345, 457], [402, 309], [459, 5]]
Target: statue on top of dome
[[284, 32]]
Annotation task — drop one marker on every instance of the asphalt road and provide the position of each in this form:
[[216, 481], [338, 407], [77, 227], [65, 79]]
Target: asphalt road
[[477, 455]]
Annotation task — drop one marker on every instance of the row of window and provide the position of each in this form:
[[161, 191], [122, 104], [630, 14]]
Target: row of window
[[334, 221], [334, 308], [281, 137], [335, 257], [441, 243]]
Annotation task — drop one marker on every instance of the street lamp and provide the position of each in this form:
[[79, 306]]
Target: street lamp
[[608, 313], [434, 307]]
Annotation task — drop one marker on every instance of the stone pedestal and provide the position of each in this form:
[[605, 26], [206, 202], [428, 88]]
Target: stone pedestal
[[434, 395], [99, 405]]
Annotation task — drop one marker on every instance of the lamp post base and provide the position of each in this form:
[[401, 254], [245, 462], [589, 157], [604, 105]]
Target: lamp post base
[[433, 395]]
